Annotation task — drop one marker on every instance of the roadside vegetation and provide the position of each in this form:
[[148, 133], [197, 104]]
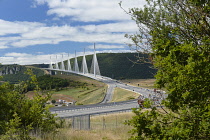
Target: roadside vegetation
[[20, 117], [175, 33], [114, 129], [29, 118]]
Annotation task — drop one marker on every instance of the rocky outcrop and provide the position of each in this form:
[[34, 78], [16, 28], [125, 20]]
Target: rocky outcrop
[[9, 69]]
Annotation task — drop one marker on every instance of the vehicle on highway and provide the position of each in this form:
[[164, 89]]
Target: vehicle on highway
[[141, 101]]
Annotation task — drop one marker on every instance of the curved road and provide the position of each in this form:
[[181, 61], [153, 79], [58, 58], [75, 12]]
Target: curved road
[[105, 106]]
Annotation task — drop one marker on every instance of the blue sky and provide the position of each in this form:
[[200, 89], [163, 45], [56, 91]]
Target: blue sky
[[32, 31]]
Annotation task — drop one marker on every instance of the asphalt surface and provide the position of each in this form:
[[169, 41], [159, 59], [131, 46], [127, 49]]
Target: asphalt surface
[[94, 109]]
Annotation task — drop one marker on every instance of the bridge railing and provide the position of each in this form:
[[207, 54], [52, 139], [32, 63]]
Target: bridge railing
[[68, 108]]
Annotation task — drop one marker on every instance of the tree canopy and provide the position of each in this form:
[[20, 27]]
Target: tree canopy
[[21, 117], [176, 33]]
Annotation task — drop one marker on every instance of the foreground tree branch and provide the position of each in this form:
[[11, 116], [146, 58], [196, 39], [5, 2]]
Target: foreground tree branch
[[177, 33]]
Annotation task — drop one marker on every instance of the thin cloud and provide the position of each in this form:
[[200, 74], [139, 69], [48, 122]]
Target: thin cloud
[[24, 58], [100, 46], [7, 27], [4, 47]]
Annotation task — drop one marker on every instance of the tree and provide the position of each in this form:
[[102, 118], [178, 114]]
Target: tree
[[176, 33], [20, 116], [46, 82]]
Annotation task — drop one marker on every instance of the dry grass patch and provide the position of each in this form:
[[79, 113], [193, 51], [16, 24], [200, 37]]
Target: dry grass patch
[[146, 83], [98, 132], [93, 93], [80, 78], [123, 95]]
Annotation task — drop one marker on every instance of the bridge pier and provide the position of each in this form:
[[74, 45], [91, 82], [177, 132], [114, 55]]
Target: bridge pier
[[59, 67]]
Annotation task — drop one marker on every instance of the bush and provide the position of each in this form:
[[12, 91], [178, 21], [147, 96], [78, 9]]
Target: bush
[[53, 101], [21, 116]]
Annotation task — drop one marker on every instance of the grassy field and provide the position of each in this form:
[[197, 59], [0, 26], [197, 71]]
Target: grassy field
[[82, 96], [80, 79], [115, 129], [146, 83], [123, 95], [95, 91], [92, 93]]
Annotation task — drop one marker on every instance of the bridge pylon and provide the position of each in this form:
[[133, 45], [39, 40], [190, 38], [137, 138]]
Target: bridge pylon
[[76, 67], [69, 64], [62, 64], [50, 66], [56, 64], [84, 68], [95, 67]]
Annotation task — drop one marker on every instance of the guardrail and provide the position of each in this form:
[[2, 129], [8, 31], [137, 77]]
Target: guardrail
[[98, 113], [90, 106]]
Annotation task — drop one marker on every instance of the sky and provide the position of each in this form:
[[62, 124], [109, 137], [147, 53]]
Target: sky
[[41, 31]]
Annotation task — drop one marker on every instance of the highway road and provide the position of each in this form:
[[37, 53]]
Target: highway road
[[146, 93], [112, 84], [68, 112], [105, 106]]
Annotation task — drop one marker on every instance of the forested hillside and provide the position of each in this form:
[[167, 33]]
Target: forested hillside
[[120, 65]]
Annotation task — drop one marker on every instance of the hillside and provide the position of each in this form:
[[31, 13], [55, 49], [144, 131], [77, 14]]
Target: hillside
[[120, 65], [15, 73]]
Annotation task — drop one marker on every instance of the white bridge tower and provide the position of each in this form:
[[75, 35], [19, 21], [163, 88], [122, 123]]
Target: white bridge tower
[[95, 67]]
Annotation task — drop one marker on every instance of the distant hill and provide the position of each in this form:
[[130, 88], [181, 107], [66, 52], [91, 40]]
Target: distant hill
[[120, 65], [15, 73], [40, 65]]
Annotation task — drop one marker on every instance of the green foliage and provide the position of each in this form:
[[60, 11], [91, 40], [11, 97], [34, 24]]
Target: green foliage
[[20, 116], [188, 123], [53, 101], [46, 82], [40, 65], [148, 103], [177, 33]]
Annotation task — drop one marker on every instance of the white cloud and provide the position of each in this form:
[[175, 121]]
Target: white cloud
[[100, 46], [50, 32], [90, 10], [122, 27], [34, 33], [7, 27], [23, 58], [37, 33], [4, 47], [14, 54]]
